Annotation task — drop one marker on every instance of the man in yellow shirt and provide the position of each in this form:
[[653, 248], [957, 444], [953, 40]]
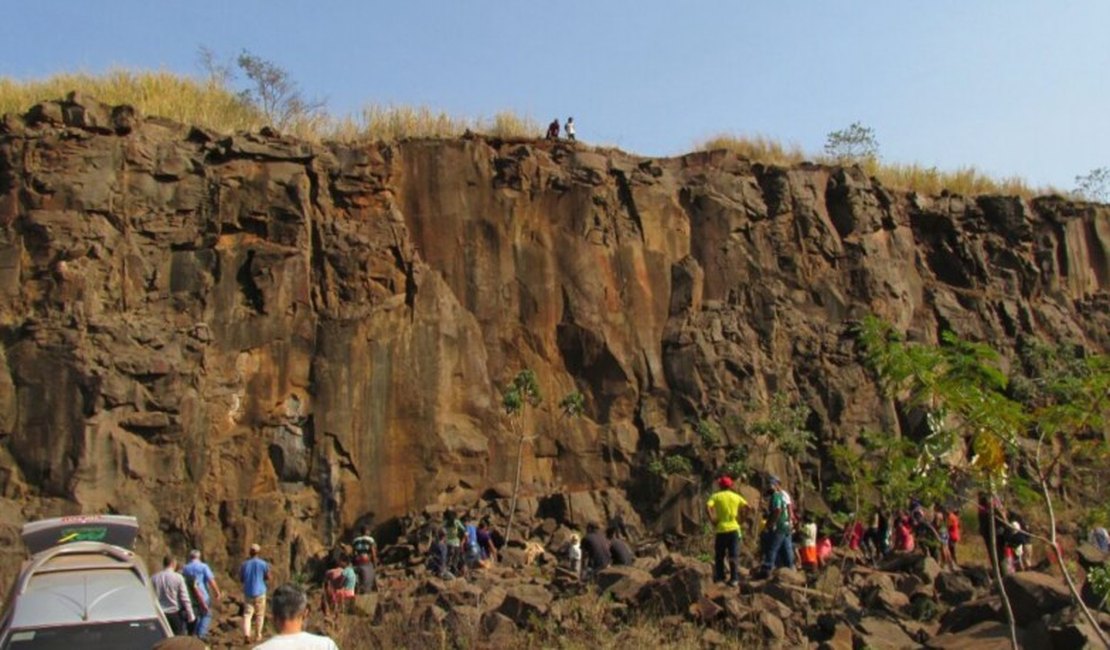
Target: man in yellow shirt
[[724, 511]]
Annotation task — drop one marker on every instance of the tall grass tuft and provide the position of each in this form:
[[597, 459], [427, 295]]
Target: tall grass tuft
[[180, 98], [213, 104], [755, 147], [910, 177]]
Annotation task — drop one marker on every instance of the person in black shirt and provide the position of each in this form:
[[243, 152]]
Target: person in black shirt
[[619, 550], [595, 551]]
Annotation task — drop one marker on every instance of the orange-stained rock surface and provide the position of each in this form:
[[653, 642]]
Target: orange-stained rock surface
[[254, 338]]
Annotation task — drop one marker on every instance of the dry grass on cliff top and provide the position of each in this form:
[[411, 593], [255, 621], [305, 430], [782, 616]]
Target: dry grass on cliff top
[[183, 99], [212, 104], [912, 177]]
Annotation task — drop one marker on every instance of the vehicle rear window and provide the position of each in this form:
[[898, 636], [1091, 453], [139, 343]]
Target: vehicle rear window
[[97, 636]]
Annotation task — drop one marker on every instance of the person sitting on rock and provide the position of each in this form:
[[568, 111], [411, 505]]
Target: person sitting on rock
[[622, 554], [553, 130], [595, 551]]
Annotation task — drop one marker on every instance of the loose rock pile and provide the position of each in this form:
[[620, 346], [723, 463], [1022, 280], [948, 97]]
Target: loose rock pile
[[907, 601]]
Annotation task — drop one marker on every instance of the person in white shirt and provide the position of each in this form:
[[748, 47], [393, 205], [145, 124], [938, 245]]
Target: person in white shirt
[[569, 129], [289, 605], [574, 554]]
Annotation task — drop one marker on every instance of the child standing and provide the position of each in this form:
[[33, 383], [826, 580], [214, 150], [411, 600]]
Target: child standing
[[809, 543]]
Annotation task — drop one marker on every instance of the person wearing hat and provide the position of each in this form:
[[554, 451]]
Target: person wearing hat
[[203, 590], [252, 574], [780, 523], [724, 511]]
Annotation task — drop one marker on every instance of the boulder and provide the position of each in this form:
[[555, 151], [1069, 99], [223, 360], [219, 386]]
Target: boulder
[[1068, 628], [1090, 556], [611, 575], [842, 638], [673, 594], [892, 602], [984, 635], [462, 621], [628, 587], [706, 610], [971, 613], [366, 605], [500, 630], [525, 603], [459, 593], [954, 588], [927, 569], [1034, 594], [882, 634], [771, 627]]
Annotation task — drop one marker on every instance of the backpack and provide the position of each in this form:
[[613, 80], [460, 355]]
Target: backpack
[[194, 595]]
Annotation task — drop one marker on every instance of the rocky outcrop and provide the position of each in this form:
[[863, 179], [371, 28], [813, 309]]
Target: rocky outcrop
[[249, 337]]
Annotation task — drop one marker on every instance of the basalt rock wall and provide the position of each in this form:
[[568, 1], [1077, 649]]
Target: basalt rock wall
[[248, 337]]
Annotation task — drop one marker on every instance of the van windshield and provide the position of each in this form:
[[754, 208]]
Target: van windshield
[[97, 636]]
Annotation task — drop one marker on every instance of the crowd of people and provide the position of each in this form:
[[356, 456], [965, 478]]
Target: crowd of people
[[789, 539], [460, 545], [188, 598]]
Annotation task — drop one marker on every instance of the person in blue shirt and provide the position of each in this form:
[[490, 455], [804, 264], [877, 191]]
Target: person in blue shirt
[[253, 573], [203, 590]]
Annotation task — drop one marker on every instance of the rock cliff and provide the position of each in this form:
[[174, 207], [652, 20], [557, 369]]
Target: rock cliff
[[248, 337]]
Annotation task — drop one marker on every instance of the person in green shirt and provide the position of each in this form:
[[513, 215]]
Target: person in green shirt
[[781, 523], [724, 511]]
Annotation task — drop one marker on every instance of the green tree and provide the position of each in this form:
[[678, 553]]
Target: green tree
[[853, 144], [573, 404], [784, 428], [524, 391], [964, 387]]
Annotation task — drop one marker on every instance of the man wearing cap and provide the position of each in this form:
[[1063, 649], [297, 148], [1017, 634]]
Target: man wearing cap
[[724, 511], [780, 522], [253, 573], [203, 588]]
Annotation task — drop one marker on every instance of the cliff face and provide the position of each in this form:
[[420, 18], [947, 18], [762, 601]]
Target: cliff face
[[251, 337]]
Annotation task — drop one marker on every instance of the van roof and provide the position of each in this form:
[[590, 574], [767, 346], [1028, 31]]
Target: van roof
[[117, 530], [81, 582]]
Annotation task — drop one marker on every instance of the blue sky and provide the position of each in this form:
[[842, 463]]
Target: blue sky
[[1014, 87]]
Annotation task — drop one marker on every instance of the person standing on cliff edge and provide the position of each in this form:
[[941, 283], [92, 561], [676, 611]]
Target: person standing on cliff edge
[[724, 511], [569, 129]]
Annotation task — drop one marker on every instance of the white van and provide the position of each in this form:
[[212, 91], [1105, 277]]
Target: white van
[[82, 588]]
